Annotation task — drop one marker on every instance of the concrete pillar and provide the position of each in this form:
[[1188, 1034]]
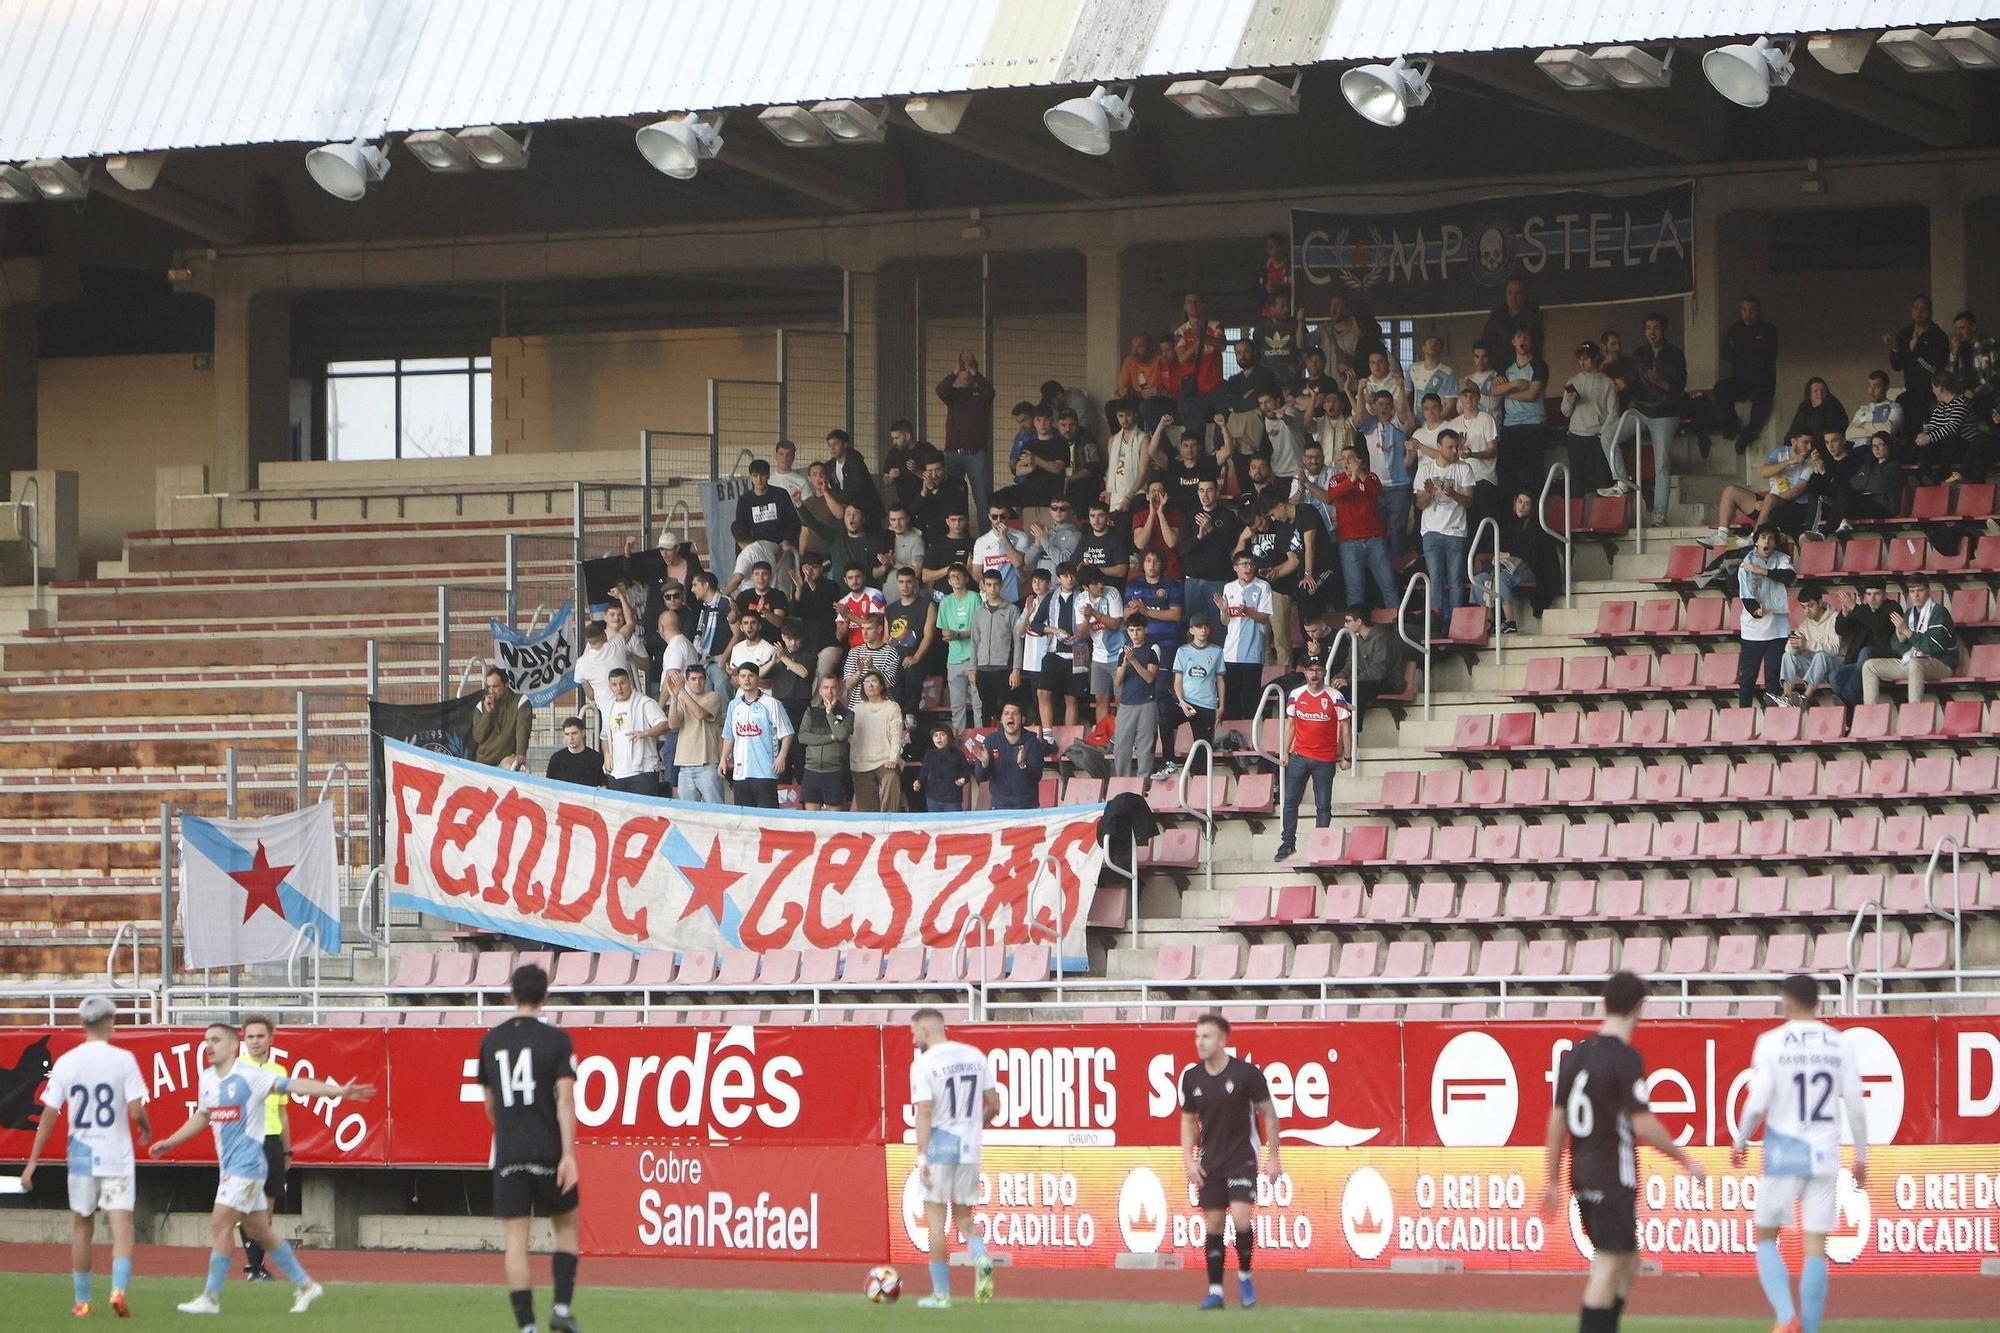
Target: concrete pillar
[[253, 352], [1951, 265], [884, 326], [1104, 321], [865, 355], [26, 285]]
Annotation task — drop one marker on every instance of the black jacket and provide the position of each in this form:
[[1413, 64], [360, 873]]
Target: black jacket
[[1751, 351]]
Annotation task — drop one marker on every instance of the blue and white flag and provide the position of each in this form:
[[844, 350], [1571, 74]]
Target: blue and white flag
[[251, 887], [539, 667]]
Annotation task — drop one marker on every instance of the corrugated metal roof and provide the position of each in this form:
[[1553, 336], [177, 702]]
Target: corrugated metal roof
[[86, 78]]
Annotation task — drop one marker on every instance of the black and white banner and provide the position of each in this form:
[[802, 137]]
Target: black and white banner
[[540, 667]]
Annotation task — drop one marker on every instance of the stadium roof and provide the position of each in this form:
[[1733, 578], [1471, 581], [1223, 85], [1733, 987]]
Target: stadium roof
[[88, 78]]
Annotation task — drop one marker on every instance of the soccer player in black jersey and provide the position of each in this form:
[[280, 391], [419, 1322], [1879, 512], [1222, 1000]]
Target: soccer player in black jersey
[[1222, 1099], [528, 1070], [1601, 1107]]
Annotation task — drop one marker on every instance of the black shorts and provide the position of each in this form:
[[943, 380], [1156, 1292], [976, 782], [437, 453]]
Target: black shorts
[[1058, 675], [529, 1190], [1610, 1219], [274, 1169], [1224, 1185], [825, 789]]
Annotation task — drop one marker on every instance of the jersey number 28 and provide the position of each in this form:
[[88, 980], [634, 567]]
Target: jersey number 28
[[95, 1108], [517, 1077]]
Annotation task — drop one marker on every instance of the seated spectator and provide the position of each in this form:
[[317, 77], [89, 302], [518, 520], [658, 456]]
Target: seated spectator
[[1750, 351], [1315, 736], [1818, 412], [874, 653], [824, 732], [756, 742], [766, 527], [946, 772], [576, 762], [1041, 470], [1866, 631], [1880, 413], [1925, 648], [1875, 485], [1943, 438], [1975, 465], [633, 725], [1787, 468], [1830, 486], [1528, 564], [501, 726], [875, 749], [1380, 655], [1002, 549], [1812, 651], [1135, 678], [694, 712], [996, 649], [1011, 761], [1763, 582]]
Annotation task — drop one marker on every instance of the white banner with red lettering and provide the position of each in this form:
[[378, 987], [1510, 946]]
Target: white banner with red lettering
[[593, 869]]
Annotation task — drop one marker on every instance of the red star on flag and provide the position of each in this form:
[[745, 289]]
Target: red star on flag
[[260, 885], [710, 882]]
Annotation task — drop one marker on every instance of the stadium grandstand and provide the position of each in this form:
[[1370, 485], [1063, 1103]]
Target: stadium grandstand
[[449, 444]]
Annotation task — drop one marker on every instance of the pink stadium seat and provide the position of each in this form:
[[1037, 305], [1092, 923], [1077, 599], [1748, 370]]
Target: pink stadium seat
[[1389, 904], [1599, 731], [1366, 844], [1736, 953], [1977, 775], [1734, 726], [1485, 788], [1855, 836], [1475, 731], [1744, 781], [1514, 731], [1545, 958], [1854, 891], [1110, 907], [467, 1018], [1781, 726], [1671, 900], [542, 958], [1691, 727], [1480, 901], [1442, 787], [1677, 673], [1497, 843], [346, 1018], [1975, 500], [1410, 846], [1687, 955], [1797, 779], [1641, 954], [1816, 559], [1436, 902], [651, 969], [1763, 896], [1860, 555], [1342, 903], [1558, 731], [819, 967], [572, 970], [1675, 841], [1825, 724], [1177, 847], [903, 967], [1809, 839], [1930, 951], [1405, 959], [1592, 956], [1811, 896], [1657, 618], [1705, 616], [1785, 953], [1359, 959], [1312, 961], [1400, 789], [1615, 619], [423, 1018], [453, 971], [1905, 896], [1498, 958], [1840, 778], [1576, 900], [1886, 777], [1542, 842], [1629, 675], [1527, 900], [1684, 562], [1902, 835], [1718, 842], [1250, 903], [1870, 721], [736, 967], [861, 966], [1715, 896], [1631, 842], [413, 969], [1221, 961], [1661, 784], [1904, 555], [1524, 787], [1450, 959], [1175, 962], [1081, 790], [1568, 1011], [1574, 786]]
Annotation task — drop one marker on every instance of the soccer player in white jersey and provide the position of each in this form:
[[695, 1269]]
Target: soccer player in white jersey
[[232, 1100], [1802, 1075], [100, 1088], [951, 1087]]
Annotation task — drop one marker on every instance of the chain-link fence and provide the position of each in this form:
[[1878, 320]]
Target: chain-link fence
[[466, 614], [264, 781], [406, 670], [813, 373], [747, 417]]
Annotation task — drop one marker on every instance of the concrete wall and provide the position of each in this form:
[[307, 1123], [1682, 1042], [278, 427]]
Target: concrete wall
[[113, 420]]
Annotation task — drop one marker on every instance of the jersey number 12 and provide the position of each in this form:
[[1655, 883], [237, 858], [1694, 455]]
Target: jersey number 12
[[1821, 1084], [517, 1077]]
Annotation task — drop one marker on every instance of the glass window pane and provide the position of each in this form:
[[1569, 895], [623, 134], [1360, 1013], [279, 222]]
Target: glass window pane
[[361, 418], [482, 363], [361, 368], [482, 412], [436, 363], [437, 420]]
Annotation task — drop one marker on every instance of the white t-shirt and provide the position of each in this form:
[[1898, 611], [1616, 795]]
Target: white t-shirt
[[1800, 1075], [1245, 639], [96, 1084], [595, 665], [1443, 514], [795, 484], [678, 655], [755, 652], [1107, 644], [954, 1079], [1477, 431], [990, 552], [630, 753]]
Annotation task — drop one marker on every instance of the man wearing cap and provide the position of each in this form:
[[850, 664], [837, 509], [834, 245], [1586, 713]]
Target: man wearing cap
[[101, 1089]]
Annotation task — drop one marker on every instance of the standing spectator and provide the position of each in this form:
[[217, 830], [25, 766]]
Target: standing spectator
[[996, 649], [1198, 678], [756, 742], [1052, 625], [1086, 458], [785, 457], [766, 527], [1264, 488], [1136, 678], [967, 396], [946, 772], [1925, 648], [1001, 550], [1964, 349], [1325, 414], [912, 628], [694, 712], [624, 643], [1919, 350], [1383, 377], [1359, 509], [1246, 607], [1389, 439], [1131, 453], [1750, 351], [712, 624], [1763, 581], [1197, 353], [1012, 762], [903, 466], [633, 725], [501, 726], [1527, 564], [1812, 650], [576, 762], [596, 662], [1143, 380], [1190, 466], [1950, 424], [751, 646], [1346, 336], [875, 750], [824, 732], [1310, 482], [1818, 412], [1523, 415], [1482, 375], [1159, 599], [1237, 400], [1267, 539], [1040, 470], [954, 548], [1276, 335], [1057, 543], [955, 613], [1023, 413], [1105, 546], [1444, 494], [1879, 413], [1590, 405], [813, 603], [857, 605], [1316, 735], [762, 599], [873, 654], [788, 677], [1285, 433], [1156, 527], [1515, 314], [847, 476], [1659, 377], [1429, 374], [823, 503], [1479, 450], [852, 543], [1103, 615], [936, 500], [1275, 275]]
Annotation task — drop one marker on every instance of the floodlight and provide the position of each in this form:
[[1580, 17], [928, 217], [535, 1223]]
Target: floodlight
[[1202, 99], [136, 171], [1260, 95], [1840, 52], [794, 125], [57, 179], [439, 150], [15, 187], [1974, 48], [679, 145], [1630, 67], [346, 170], [1384, 94], [494, 149], [1747, 74], [1915, 50], [1087, 123], [938, 114], [850, 122], [1573, 70]]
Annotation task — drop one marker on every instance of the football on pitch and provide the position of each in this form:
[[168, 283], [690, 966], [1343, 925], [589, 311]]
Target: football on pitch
[[883, 1285]]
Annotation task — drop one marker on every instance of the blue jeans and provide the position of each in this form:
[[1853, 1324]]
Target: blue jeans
[[1369, 557], [1809, 669], [1199, 599], [1444, 557], [1297, 769], [1847, 679], [974, 468], [1523, 576], [1396, 519], [702, 783], [1662, 431]]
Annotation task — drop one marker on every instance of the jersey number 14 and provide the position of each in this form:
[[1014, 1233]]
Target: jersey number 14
[[517, 1077]]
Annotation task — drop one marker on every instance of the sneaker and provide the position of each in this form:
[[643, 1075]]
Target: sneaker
[[1775, 700], [118, 1305], [1742, 445], [1285, 851], [934, 1303], [1815, 534], [1509, 627], [202, 1304], [258, 1275], [1721, 538], [1615, 489], [304, 1296], [563, 1323], [81, 1310], [982, 1281], [1212, 1301], [1165, 771], [1246, 1291], [1657, 519], [1845, 529], [1791, 1325]]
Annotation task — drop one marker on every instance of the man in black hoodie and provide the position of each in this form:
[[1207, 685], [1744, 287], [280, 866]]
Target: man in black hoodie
[[1866, 630], [1750, 349]]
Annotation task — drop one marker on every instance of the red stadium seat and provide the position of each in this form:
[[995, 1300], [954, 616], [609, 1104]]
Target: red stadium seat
[[1705, 616], [1860, 555], [1527, 900], [1659, 618], [1615, 619]]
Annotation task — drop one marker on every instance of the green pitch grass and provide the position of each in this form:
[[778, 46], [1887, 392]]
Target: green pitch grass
[[42, 1302]]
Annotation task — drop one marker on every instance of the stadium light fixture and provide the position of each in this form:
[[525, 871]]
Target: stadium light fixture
[[135, 171], [346, 170], [1973, 48], [678, 145], [1572, 69], [1746, 74], [1630, 67], [1840, 52], [850, 122], [1202, 99], [938, 114], [1385, 94], [1916, 51], [494, 149], [440, 150], [15, 187], [1087, 123], [57, 179], [1261, 95], [794, 126]]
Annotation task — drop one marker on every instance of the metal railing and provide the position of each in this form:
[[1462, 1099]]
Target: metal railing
[[1207, 753], [1046, 862], [1471, 558], [958, 955], [1638, 477], [1353, 682], [1403, 630], [1270, 692], [308, 932], [31, 533], [367, 915], [127, 936], [1853, 944], [1542, 517], [1957, 913]]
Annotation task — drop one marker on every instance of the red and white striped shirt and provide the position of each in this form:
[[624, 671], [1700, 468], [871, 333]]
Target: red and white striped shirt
[[1316, 717]]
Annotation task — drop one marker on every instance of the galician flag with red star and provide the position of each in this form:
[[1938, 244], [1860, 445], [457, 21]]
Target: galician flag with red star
[[259, 890]]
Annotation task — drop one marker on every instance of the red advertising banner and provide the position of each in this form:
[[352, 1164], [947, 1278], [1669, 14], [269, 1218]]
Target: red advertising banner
[[324, 1133], [732, 1201], [1968, 1073]]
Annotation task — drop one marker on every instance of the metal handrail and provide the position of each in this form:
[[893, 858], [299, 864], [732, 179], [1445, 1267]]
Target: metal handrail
[[535, 619], [739, 466], [1132, 873], [1403, 630], [31, 533], [1472, 555], [111, 956], [472, 665], [1638, 478], [1202, 748], [1353, 683], [1276, 755], [1047, 862], [364, 915], [1542, 517], [682, 511], [958, 955], [346, 776], [1957, 914], [1854, 940], [310, 930]]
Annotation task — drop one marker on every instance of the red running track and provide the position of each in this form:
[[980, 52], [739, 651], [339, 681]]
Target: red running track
[[1875, 1297]]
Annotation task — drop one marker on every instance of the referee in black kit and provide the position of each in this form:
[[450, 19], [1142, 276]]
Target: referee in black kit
[[527, 1067], [1222, 1098]]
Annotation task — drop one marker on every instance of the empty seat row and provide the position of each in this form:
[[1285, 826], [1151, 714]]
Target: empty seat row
[[1977, 555], [574, 1017], [1696, 728], [1669, 619], [1641, 675], [450, 972], [1252, 793]]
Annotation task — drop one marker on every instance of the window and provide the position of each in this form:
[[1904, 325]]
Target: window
[[1231, 335], [419, 407], [1400, 335]]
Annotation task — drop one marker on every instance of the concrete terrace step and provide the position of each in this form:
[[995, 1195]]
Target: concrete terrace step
[[198, 698], [162, 628], [153, 652]]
